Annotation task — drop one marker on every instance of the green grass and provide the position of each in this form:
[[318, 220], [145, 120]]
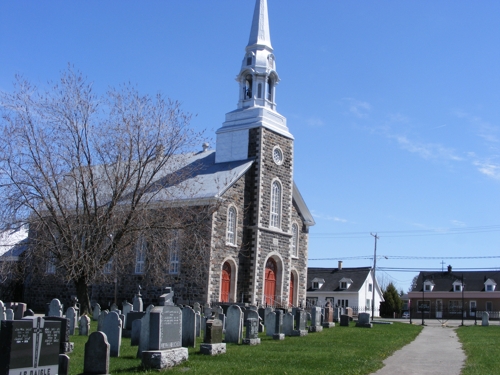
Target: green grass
[[481, 348], [341, 350]]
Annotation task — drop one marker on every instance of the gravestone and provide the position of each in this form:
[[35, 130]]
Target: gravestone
[[114, 307], [55, 308], [28, 313], [71, 316], [234, 327], [337, 311], [84, 325], [270, 323], [485, 319], [63, 366], [315, 320], [144, 336], [100, 321], [96, 312], [137, 301], [262, 315], [29, 346], [126, 308], [131, 316], [96, 361], [135, 334], [344, 320], [207, 311], [212, 343], [348, 312], [222, 318], [288, 324], [19, 310], [300, 323], [66, 346], [198, 324], [2, 311], [112, 327], [364, 320], [252, 332], [9, 314], [328, 316], [267, 311], [165, 337], [278, 335], [188, 327], [197, 307]]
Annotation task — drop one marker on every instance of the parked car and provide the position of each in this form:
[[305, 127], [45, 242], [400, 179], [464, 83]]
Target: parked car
[[406, 315]]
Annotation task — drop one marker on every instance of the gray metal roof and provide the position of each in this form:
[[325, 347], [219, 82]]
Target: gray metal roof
[[332, 277], [443, 281]]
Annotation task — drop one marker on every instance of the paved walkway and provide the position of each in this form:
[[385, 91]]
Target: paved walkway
[[436, 351]]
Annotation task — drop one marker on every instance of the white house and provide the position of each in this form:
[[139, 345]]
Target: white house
[[345, 287]]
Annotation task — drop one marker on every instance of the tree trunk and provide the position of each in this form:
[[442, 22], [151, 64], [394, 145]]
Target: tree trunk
[[82, 292]]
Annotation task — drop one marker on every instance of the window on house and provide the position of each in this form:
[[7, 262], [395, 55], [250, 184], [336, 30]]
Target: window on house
[[343, 285], [368, 303], [231, 226], [458, 288], [489, 288], [489, 306], [370, 287], [140, 255], [174, 254], [295, 240], [51, 265], [315, 285], [427, 288], [276, 205], [455, 307], [108, 267]]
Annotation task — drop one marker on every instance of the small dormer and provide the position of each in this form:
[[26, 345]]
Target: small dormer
[[429, 285], [317, 283], [458, 286], [345, 283], [490, 285]]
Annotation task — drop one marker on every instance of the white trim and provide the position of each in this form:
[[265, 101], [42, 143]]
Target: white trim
[[234, 225], [276, 216]]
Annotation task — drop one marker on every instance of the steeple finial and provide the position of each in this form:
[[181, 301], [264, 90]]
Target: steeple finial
[[259, 34]]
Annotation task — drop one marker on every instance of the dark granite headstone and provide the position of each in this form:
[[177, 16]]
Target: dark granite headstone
[[344, 320], [29, 346], [165, 328], [131, 316], [213, 332], [96, 354], [66, 346]]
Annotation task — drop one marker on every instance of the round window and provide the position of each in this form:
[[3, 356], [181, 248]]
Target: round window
[[277, 155]]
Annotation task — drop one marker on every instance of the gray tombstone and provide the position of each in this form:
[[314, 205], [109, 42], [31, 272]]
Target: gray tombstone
[[112, 327], [197, 307], [135, 335], [126, 308], [344, 320], [252, 331], [278, 335], [19, 310], [485, 319], [96, 312], [114, 307], [234, 321], [144, 336], [364, 320], [288, 324], [97, 350], [337, 311], [137, 301], [63, 366], [207, 311], [71, 316], [300, 323], [219, 310], [29, 346], [9, 314], [270, 324], [198, 324], [100, 321], [84, 326], [2, 311], [212, 343], [267, 311], [55, 308], [316, 319], [28, 312], [188, 327]]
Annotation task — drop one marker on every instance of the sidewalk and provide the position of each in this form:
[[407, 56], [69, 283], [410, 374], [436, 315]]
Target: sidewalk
[[436, 351]]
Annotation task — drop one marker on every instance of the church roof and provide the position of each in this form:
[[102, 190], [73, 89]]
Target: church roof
[[13, 242]]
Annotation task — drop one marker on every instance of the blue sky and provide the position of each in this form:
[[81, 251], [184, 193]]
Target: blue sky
[[394, 105]]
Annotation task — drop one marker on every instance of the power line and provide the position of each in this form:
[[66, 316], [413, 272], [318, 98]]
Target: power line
[[400, 257]]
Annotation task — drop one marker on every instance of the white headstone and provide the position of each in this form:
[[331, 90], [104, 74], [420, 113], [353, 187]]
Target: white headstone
[[71, 316], [55, 308], [113, 329], [96, 312], [9, 314], [486, 319], [84, 326]]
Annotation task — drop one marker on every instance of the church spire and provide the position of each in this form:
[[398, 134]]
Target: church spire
[[259, 34]]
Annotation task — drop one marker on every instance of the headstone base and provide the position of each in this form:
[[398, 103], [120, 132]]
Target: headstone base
[[67, 347], [279, 336], [299, 332], [213, 349], [364, 325], [160, 359], [315, 328], [251, 342], [328, 325]]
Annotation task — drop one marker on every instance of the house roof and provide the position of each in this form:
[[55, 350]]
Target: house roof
[[332, 277], [13, 243], [443, 281]]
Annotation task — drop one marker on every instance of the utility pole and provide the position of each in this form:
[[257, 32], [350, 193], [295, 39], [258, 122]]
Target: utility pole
[[374, 280]]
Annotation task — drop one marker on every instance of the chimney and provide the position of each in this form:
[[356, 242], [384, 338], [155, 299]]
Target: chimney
[[449, 269], [205, 146], [340, 265]]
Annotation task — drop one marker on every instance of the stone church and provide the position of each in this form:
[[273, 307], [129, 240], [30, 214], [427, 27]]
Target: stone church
[[258, 236]]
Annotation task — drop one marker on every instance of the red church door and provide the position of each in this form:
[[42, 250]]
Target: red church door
[[292, 288], [226, 282], [270, 283]]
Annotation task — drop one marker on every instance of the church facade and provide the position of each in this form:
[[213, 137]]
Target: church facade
[[257, 239]]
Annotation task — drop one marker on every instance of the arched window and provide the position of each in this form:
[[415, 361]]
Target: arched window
[[270, 85], [140, 255], [231, 226], [295, 240], [174, 253], [248, 87], [276, 205]]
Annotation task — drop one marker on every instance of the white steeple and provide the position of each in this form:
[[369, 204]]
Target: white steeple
[[257, 93]]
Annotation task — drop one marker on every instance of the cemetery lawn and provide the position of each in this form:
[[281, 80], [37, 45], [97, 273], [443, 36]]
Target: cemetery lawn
[[481, 348], [340, 350]]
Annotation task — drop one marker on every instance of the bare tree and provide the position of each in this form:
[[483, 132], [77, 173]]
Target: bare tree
[[88, 173]]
